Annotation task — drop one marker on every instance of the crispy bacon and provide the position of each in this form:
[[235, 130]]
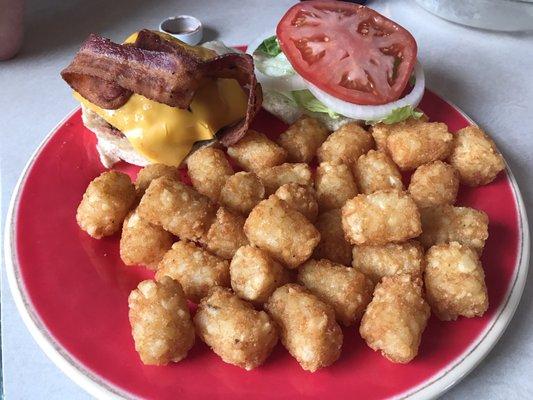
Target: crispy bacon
[[149, 40], [157, 75], [106, 74], [241, 68]]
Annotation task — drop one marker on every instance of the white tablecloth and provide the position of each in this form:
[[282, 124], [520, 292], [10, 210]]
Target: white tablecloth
[[488, 74]]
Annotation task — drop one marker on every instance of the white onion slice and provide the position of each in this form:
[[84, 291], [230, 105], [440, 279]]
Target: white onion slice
[[287, 83], [369, 112]]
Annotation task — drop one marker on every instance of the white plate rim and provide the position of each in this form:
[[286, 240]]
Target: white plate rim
[[102, 389]]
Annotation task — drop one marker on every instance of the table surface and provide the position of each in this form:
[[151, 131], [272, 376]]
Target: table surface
[[487, 74]]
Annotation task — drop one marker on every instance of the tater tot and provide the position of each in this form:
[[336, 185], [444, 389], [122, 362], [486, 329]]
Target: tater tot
[[376, 171], [307, 325], [347, 290], [335, 184], [143, 243], [303, 138], [476, 157], [444, 224], [242, 192], [105, 203], [151, 172], [255, 152], [234, 330], [255, 274], [208, 169], [226, 234], [177, 208], [194, 268], [455, 282], [380, 217], [380, 132], [160, 321], [282, 231], [389, 259], [420, 143], [300, 197], [434, 184], [346, 144], [274, 177], [333, 244], [396, 317]]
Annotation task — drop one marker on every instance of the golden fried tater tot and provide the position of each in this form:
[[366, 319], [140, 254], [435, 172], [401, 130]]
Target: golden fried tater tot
[[151, 172], [282, 231], [178, 208], [346, 144], [335, 184], [376, 171], [395, 318], [434, 184], [143, 243], [226, 234], [300, 197], [255, 152], [234, 330], [160, 321], [347, 290], [415, 144], [380, 132], [279, 175], [242, 192], [455, 282], [333, 245], [446, 223], [105, 203], [476, 157], [307, 325], [303, 138], [380, 217], [255, 274], [389, 259], [194, 268], [208, 169]]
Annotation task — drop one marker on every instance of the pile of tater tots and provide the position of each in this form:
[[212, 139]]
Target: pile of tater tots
[[286, 250]]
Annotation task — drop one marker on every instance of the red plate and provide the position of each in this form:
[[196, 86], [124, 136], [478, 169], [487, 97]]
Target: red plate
[[72, 293]]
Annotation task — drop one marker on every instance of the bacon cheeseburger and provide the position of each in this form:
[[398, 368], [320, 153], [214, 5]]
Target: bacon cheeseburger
[[152, 98]]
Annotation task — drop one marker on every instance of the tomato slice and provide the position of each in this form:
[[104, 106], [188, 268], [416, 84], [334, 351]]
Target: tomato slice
[[349, 51]]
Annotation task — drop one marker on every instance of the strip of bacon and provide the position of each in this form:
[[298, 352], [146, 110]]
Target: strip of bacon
[[241, 68], [157, 75], [230, 66], [149, 40], [106, 74]]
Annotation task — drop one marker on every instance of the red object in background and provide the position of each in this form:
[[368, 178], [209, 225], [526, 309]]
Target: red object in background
[[78, 287], [11, 27]]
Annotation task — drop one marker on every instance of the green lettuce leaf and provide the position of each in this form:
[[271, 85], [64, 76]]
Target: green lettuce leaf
[[270, 46], [399, 115], [306, 99], [270, 60], [289, 97], [277, 66]]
